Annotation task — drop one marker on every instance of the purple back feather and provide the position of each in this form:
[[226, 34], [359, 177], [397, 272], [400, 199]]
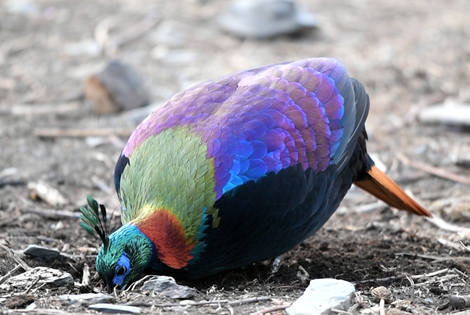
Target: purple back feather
[[263, 120]]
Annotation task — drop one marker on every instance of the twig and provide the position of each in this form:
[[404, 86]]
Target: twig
[[386, 279], [382, 307], [137, 31], [86, 275], [450, 244], [433, 170], [15, 257], [32, 285], [110, 46], [39, 311], [425, 275], [135, 284], [431, 274], [8, 221], [231, 303], [436, 258], [249, 300], [369, 207], [272, 309], [53, 214], [80, 133], [337, 311], [441, 280], [12, 182], [9, 273], [446, 226], [464, 246], [460, 273], [101, 184], [39, 109]]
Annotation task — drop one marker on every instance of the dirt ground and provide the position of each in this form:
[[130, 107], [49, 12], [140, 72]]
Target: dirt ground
[[408, 54]]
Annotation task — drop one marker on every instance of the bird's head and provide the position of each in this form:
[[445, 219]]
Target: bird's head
[[125, 257]]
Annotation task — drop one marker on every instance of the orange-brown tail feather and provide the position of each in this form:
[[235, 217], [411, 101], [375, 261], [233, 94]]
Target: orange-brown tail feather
[[384, 188]]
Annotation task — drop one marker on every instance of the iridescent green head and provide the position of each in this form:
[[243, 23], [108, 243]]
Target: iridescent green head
[[126, 257]]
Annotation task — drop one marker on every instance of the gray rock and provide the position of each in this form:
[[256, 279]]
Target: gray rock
[[116, 88], [36, 277], [41, 252], [168, 287], [321, 296], [115, 308], [86, 298], [265, 18]]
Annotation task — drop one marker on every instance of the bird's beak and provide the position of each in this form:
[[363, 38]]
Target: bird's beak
[[110, 288]]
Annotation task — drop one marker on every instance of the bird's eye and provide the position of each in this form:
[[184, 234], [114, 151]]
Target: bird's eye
[[121, 270]]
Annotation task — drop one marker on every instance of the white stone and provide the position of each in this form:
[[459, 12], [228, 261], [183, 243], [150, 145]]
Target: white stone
[[321, 296]]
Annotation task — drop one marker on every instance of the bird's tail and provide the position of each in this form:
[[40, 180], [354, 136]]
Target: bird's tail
[[384, 188]]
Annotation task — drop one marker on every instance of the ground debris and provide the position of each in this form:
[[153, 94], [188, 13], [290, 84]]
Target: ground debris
[[459, 302], [118, 87], [449, 113], [436, 171], [168, 287], [18, 301], [396, 311], [86, 298], [47, 193], [44, 252], [115, 308], [381, 293], [39, 277], [321, 296]]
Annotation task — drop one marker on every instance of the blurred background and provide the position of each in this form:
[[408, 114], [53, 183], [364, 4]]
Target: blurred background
[[77, 76]]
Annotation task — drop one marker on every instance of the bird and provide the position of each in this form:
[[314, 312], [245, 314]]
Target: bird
[[239, 170]]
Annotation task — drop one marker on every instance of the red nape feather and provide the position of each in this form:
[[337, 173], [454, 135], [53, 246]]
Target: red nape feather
[[167, 234]]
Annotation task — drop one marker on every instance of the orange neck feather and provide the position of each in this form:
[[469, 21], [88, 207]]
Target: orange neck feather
[[165, 231]]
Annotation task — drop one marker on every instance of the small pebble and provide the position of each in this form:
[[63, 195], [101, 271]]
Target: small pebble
[[168, 287], [380, 293]]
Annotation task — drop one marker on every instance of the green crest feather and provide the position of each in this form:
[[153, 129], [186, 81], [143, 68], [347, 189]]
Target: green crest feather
[[94, 220]]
